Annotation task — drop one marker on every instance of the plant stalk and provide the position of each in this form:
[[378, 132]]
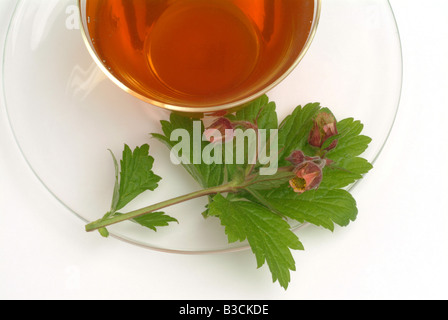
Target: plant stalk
[[102, 223], [231, 187]]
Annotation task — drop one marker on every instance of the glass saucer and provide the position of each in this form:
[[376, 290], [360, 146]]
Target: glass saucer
[[66, 114]]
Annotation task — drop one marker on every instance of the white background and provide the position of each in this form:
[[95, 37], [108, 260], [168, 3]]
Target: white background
[[398, 248]]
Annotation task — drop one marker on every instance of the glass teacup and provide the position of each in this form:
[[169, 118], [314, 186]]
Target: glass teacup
[[198, 55]]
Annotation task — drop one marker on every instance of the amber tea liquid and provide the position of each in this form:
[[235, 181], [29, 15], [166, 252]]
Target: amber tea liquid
[[198, 52]]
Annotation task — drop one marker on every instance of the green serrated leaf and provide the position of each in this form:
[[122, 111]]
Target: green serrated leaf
[[261, 112], [116, 193], [294, 130], [207, 175], [272, 182], [154, 220], [350, 141], [269, 236], [345, 172], [136, 176], [321, 207]]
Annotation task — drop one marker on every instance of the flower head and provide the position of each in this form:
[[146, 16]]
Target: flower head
[[296, 158], [222, 130], [323, 129], [308, 177], [308, 171]]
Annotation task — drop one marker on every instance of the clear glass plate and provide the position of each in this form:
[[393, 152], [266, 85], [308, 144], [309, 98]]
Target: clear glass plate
[[66, 114]]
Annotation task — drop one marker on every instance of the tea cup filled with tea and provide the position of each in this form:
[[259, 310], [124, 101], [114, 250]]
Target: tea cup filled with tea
[[198, 55]]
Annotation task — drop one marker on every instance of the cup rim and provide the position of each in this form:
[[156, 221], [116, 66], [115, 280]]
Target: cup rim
[[207, 109]]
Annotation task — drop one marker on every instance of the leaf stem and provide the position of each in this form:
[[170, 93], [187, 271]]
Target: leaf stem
[[102, 223], [231, 187]]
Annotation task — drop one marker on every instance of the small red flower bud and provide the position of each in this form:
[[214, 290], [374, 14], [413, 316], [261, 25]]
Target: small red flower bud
[[323, 129], [308, 177], [296, 158], [222, 130]]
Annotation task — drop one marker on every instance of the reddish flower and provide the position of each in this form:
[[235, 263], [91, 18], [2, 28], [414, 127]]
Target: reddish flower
[[323, 129], [308, 171], [222, 130], [308, 177]]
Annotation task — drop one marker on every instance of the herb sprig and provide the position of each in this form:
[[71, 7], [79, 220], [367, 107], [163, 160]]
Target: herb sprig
[[318, 158]]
